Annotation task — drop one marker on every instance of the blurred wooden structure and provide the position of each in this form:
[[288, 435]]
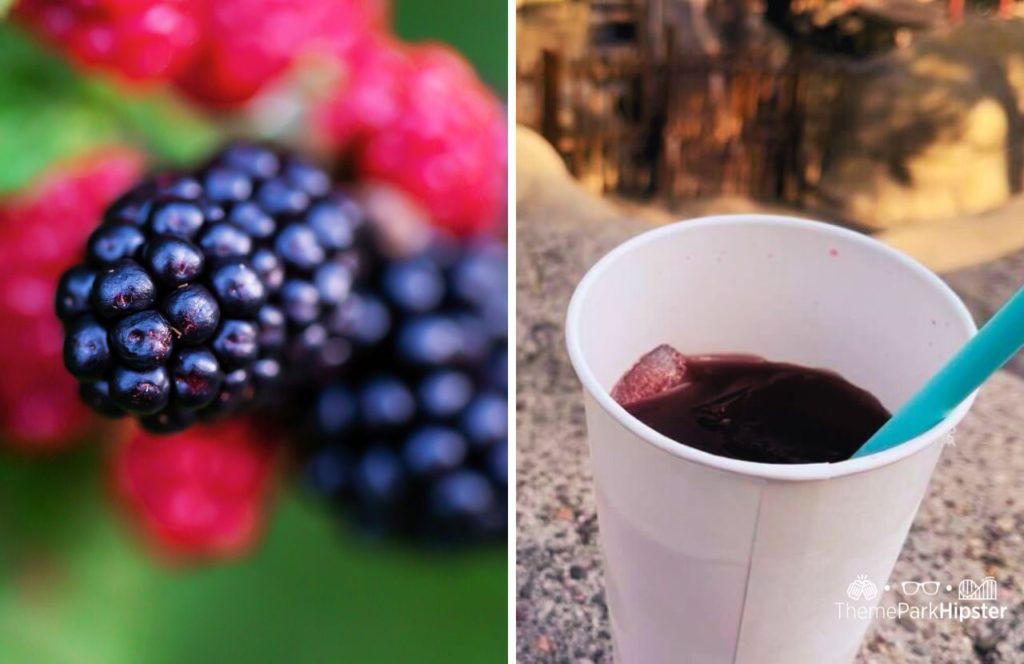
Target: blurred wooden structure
[[645, 103]]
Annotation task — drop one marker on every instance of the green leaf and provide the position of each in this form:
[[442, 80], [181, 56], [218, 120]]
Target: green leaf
[[51, 110], [75, 588]]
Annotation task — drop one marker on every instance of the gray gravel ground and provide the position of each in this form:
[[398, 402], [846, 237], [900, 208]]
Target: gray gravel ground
[[970, 524]]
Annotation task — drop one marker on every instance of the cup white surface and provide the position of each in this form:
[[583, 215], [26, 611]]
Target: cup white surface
[[710, 559]]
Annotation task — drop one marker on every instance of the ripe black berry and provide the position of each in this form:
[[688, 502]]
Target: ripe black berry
[[193, 312], [173, 261], [208, 291], [110, 244], [254, 220], [298, 246], [181, 218], [73, 292], [197, 378], [239, 289], [142, 340], [86, 354], [237, 344], [227, 185], [122, 289], [411, 436], [96, 395], [140, 392], [223, 242]]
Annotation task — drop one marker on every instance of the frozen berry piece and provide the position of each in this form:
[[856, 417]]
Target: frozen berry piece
[[73, 292], [86, 352], [140, 392], [123, 289], [173, 261], [197, 378], [664, 368], [142, 340], [110, 244]]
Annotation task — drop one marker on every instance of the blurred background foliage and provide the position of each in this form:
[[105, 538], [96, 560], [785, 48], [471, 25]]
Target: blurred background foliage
[[75, 585]]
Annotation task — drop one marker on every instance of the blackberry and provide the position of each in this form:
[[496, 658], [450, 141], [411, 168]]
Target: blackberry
[[411, 439], [206, 291]]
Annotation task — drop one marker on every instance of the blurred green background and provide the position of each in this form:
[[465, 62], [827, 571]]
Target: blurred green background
[[76, 586]]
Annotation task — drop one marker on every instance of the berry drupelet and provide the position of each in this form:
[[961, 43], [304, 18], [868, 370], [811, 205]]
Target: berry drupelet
[[412, 438], [204, 291]]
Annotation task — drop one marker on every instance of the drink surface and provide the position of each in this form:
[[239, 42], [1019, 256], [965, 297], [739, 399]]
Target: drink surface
[[746, 407]]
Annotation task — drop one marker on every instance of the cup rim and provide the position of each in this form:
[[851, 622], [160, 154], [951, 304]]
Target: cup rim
[[787, 472]]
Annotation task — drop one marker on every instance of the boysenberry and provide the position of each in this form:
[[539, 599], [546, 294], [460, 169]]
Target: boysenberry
[[123, 289], [193, 313], [411, 434], [173, 261], [110, 244], [86, 353], [142, 340]]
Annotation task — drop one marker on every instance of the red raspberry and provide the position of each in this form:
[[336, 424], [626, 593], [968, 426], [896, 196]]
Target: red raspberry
[[423, 121], [142, 40], [252, 42], [200, 493], [370, 95], [42, 231]]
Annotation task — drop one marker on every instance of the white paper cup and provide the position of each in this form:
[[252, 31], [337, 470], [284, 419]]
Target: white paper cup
[[710, 559]]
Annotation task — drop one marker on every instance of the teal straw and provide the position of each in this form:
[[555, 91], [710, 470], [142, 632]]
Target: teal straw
[[982, 356]]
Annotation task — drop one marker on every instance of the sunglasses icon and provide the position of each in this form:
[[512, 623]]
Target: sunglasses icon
[[927, 587]]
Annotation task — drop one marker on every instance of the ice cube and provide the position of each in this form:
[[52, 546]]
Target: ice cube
[[660, 370]]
